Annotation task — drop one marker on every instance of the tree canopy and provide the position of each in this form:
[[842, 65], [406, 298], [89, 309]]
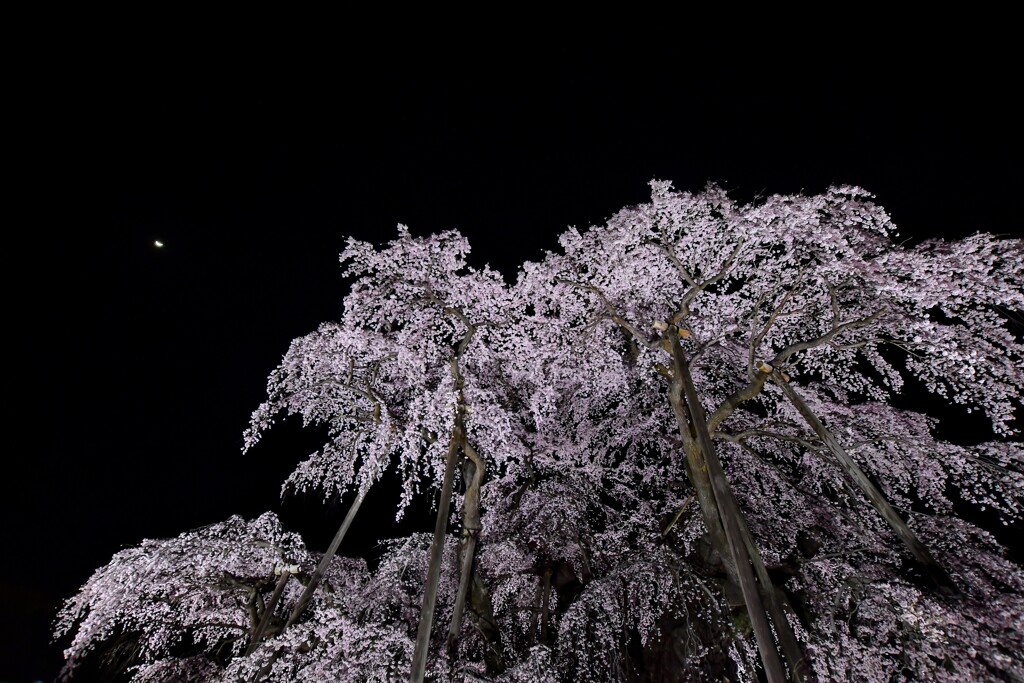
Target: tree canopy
[[693, 443]]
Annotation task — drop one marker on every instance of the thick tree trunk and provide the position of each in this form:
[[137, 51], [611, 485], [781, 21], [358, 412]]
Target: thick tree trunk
[[471, 584], [419, 660], [697, 473], [729, 513], [796, 660], [481, 611], [936, 573], [465, 579], [325, 561], [472, 474]]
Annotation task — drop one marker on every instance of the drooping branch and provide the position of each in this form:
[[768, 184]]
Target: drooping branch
[[684, 272], [545, 606], [735, 399], [675, 518], [747, 433], [470, 328], [535, 614]]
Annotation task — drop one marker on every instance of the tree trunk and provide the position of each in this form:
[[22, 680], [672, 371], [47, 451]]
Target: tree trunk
[[481, 611], [473, 474], [471, 584], [419, 660], [729, 513], [325, 561], [773, 596], [697, 473], [936, 573]]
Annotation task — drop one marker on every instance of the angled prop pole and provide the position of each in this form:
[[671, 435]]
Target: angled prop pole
[[325, 561], [419, 659], [936, 573], [268, 611]]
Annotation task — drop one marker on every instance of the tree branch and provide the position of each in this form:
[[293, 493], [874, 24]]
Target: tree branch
[[684, 305], [612, 313]]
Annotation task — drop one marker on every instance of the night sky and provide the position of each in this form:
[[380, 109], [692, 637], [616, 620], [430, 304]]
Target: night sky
[[135, 368]]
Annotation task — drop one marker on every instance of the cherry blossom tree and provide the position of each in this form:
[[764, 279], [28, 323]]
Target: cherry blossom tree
[[418, 346], [207, 605], [716, 298], [672, 451]]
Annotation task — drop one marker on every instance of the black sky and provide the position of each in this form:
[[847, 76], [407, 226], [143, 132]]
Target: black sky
[[136, 368]]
